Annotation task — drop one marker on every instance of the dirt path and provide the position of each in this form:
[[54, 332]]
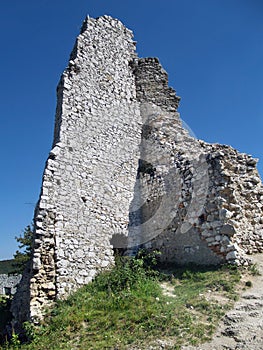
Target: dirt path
[[242, 327]]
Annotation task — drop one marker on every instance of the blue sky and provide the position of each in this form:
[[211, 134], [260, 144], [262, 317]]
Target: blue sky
[[211, 49]]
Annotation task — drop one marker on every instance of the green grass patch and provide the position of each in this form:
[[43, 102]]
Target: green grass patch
[[127, 306], [254, 270]]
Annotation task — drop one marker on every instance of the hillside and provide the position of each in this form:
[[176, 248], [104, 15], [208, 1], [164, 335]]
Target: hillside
[[6, 266], [137, 307]]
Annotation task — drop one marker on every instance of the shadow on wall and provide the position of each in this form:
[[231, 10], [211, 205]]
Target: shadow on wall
[[169, 199]]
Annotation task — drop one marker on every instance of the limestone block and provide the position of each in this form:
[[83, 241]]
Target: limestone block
[[227, 230], [231, 255]]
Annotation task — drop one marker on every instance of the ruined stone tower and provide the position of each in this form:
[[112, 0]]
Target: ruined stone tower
[[123, 173]]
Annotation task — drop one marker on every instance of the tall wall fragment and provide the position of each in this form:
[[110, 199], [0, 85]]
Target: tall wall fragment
[[123, 173], [89, 177]]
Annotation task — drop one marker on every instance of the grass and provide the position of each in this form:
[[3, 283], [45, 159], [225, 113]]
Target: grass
[[126, 307], [254, 270]]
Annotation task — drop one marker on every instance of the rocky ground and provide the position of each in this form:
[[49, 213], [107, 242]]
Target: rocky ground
[[242, 327]]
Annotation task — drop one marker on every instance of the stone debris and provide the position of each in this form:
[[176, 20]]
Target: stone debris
[[242, 327], [124, 174]]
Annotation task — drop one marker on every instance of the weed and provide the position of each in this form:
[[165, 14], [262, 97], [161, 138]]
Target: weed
[[253, 269], [248, 284]]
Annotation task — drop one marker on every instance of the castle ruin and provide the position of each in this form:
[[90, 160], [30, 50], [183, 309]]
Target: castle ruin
[[124, 174]]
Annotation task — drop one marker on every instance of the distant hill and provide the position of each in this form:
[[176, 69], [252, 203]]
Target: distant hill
[[6, 266]]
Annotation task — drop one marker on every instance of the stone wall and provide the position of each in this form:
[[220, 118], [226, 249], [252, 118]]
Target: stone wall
[[124, 174], [195, 202], [220, 207], [90, 174], [8, 284]]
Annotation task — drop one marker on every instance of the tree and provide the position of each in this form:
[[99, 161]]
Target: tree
[[22, 255]]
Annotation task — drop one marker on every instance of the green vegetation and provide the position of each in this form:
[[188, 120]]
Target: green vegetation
[[14, 266], [22, 255], [248, 284], [130, 306], [7, 266], [5, 314], [254, 270]]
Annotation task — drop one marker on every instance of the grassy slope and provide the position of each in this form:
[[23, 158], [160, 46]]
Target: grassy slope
[[127, 307]]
